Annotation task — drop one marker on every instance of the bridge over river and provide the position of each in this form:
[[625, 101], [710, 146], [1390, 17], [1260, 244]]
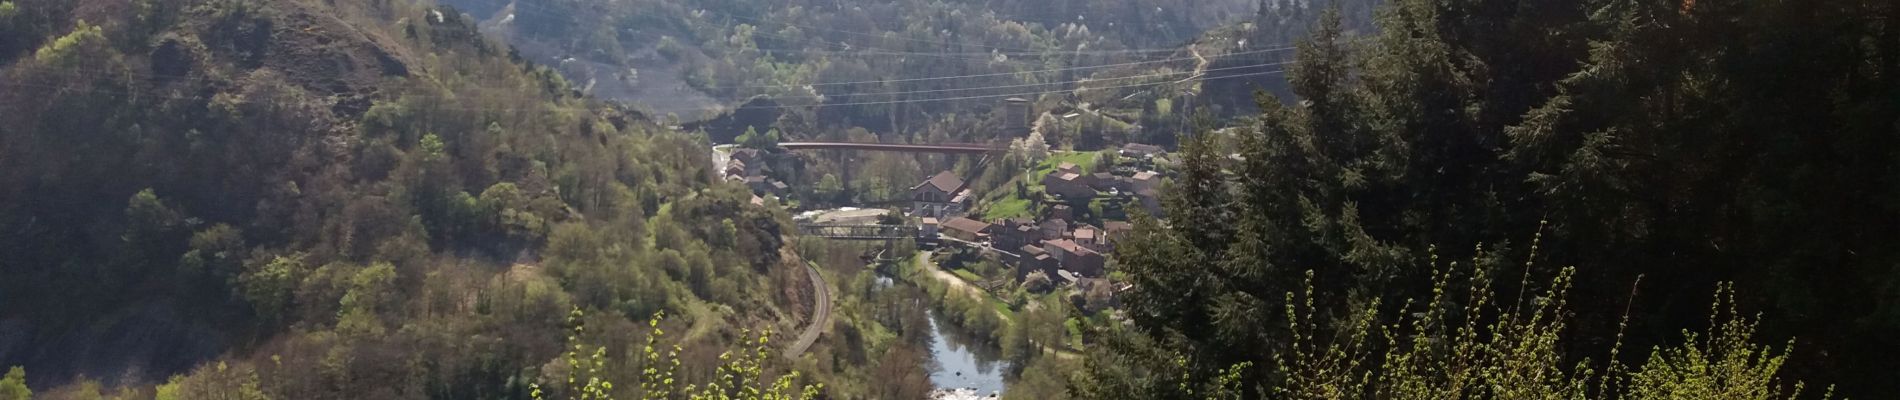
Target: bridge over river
[[951, 148], [860, 232], [987, 151]]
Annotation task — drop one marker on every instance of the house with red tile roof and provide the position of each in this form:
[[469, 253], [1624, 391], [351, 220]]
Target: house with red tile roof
[[1071, 185], [969, 230], [1015, 233], [1089, 237], [1075, 258], [943, 195]]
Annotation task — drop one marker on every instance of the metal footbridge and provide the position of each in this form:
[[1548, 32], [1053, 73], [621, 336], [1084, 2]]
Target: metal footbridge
[[861, 232]]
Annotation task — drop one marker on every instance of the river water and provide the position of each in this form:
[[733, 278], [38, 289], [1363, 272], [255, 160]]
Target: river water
[[961, 362]]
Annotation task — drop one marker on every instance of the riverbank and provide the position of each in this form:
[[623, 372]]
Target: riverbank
[[965, 328], [963, 304], [959, 394]]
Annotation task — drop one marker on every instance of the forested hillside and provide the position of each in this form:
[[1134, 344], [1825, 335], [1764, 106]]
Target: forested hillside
[[1658, 147], [347, 199], [518, 199], [901, 68], [1101, 73]]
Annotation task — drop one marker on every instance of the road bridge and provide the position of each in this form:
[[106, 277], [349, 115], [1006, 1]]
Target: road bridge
[[844, 160], [860, 232], [950, 148]]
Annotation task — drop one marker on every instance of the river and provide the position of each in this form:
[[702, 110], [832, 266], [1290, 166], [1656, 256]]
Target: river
[[960, 362]]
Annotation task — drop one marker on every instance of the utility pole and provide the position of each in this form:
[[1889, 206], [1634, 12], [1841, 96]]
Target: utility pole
[[844, 165]]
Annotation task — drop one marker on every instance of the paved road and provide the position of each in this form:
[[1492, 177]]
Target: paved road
[[820, 316], [721, 155]]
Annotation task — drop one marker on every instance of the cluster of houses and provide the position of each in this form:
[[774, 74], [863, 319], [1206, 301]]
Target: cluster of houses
[[1062, 250], [746, 165], [1056, 244], [1074, 185]]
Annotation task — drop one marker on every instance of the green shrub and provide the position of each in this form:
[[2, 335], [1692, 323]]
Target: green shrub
[[13, 387], [740, 376], [1462, 343]]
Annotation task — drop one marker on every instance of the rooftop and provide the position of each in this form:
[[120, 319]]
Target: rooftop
[[1065, 244], [946, 181], [965, 224]]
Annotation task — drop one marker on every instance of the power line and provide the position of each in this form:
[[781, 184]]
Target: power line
[[1200, 79], [78, 72], [1079, 81], [1009, 73], [554, 103], [825, 84], [979, 56], [898, 36], [845, 46], [998, 16], [927, 54], [423, 84]]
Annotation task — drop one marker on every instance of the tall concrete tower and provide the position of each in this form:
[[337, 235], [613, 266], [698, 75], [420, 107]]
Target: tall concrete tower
[[1016, 117]]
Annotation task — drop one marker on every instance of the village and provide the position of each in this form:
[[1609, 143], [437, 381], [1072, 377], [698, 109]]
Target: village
[[1051, 230], [992, 232], [1066, 239]]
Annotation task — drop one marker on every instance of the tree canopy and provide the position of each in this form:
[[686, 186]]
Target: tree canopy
[[1685, 143]]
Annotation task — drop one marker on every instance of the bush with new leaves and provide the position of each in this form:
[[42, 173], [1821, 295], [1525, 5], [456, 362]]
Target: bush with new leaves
[[741, 376], [1467, 345]]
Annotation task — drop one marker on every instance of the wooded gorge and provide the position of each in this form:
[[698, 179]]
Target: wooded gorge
[[488, 199], [1660, 148], [344, 200]]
